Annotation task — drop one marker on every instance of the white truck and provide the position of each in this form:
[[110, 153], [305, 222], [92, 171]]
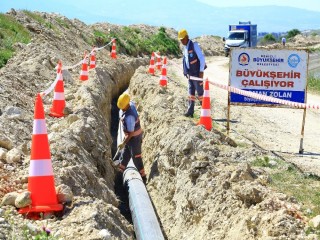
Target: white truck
[[241, 35]]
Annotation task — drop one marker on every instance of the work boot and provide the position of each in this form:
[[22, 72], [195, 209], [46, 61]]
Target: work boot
[[190, 110], [144, 179], [188, 114]]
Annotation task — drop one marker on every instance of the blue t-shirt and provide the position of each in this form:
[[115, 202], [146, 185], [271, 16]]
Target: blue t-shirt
[[130, 121]]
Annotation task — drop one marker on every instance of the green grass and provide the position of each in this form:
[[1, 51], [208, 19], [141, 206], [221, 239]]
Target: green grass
[[39, 19], [133, 42], [313, 49], [11, 32], [262, 162], [306, 189], [63, 23], [286, 178], [314, 84]]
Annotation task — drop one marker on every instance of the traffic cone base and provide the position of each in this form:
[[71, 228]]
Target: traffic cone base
[[151, 66], [44, 194], [159, 63], [58, 109], [113, 49], [163, 78], [84, 75], [93, 60], [58, 105], [205, 115]]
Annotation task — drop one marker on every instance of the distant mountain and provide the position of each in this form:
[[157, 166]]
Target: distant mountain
[[198, 18], [201, 19]]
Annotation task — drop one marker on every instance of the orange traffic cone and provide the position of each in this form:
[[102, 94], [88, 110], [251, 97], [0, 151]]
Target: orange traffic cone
[[113, 50], [41, 180], [59, 102], [151, 66], [163, 77], [159, 63], [93, 59], [84, 70], [205, 116]]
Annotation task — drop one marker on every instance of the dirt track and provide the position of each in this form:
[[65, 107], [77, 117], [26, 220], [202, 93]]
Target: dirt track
[[274, 129]]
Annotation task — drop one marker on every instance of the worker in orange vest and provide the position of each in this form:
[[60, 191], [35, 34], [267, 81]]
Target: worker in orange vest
[[133, 135], [193, 65]]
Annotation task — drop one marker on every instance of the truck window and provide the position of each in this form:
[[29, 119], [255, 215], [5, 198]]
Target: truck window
[[236, 36]]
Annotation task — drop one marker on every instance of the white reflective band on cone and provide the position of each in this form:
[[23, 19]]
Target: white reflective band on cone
[[39, 126], [206, 93], [40, 168], [84, 72], [205, 112], [92, 62], [163, 77], [58, 96]]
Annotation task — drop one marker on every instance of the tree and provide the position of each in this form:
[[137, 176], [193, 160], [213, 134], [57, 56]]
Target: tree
[[292, 33], [268, 39]]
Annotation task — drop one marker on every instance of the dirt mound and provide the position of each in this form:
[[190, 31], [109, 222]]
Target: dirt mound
[[211, 45]]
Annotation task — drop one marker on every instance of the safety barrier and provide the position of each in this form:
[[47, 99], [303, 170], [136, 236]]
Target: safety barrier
[[85, 59], [256, 95]]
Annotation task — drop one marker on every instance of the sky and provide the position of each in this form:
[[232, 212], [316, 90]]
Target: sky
[[206, 19], [313, 5]]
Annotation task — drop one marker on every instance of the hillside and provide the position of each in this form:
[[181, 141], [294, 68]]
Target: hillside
[[201, 182], [211, 20]]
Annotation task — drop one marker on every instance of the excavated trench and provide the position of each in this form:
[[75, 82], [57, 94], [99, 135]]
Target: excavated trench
[[120, 190]]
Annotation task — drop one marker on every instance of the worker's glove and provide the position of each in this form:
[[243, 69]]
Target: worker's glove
[[121, 145]]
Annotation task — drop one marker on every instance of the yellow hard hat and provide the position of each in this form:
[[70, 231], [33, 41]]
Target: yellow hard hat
[[123, 101], [182, 34]]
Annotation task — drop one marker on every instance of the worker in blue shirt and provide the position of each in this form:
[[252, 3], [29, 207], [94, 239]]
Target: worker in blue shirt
[[193, 65], [133, 135], [283, 40]]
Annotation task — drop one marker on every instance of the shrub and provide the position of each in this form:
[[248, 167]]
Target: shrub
[[11, 32], [292, 33], [268, 39], [314, 83]]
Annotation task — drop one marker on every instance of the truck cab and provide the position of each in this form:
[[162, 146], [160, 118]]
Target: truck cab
[[242, 35]]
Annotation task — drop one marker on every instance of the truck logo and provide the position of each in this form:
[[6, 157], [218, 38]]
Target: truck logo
[[243, 59], [293, 60]]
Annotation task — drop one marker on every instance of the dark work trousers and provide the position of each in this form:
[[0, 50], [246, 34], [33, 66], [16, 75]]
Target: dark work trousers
[[133, 150], [194, 86]]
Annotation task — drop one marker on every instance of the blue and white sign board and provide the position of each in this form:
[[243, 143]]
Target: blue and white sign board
[[276, 73]]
